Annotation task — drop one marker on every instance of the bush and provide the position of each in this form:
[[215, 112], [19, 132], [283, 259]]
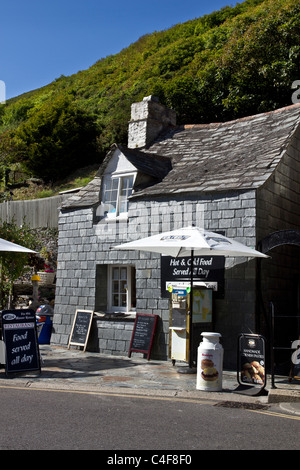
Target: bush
[[13, 265], [56, 140]]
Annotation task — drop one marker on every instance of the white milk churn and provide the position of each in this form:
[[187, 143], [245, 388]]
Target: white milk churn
[[210, 363]]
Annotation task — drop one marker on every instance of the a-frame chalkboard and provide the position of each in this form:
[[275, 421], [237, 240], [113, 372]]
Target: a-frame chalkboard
[[81, 328], [143, 334]]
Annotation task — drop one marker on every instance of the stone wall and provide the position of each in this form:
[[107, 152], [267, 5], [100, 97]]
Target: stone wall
[[75, 279], [148, 119], [278, 208], [83, 246]]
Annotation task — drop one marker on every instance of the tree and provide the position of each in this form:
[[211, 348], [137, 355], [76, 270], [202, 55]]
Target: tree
[[57, 139], [14, 265]]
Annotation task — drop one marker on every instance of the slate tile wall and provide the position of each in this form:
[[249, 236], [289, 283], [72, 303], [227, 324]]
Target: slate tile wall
[[83, 245]]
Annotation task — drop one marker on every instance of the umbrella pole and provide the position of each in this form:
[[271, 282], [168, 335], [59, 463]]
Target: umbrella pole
[[190, 369], [191, 313]]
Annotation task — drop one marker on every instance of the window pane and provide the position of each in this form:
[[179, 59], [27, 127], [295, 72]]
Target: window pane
[[115, 183], [123, 273], [115, 273], [115, 288], [122, 288], [116, 192], [115, 300], [110, 194], [126, 184], [119, 286]]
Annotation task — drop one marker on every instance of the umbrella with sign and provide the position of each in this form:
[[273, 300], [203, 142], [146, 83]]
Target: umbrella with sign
[[191, 241]]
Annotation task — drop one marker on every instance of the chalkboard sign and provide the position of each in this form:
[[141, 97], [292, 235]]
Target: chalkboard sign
[[81, 328], [20, 338], [143, 334]]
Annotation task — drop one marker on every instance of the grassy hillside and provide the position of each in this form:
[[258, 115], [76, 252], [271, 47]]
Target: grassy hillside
[[234, 62]]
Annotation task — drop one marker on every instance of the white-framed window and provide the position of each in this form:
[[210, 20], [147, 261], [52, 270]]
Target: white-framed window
[[116, 191], [121, 288]]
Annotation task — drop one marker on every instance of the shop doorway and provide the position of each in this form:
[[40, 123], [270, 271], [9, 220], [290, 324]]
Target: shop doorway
[[279, 296]]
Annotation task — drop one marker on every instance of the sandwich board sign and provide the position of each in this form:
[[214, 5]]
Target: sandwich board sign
[[81, 328], [251, 364], [20, 339], [143, 334]]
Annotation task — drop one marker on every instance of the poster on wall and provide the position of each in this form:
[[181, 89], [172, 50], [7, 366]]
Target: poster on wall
[[202, 305]]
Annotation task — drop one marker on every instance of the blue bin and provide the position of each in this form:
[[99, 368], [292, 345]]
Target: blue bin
[[44, 315]]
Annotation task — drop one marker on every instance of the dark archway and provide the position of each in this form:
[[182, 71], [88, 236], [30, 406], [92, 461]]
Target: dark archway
[[282, 237], [279, 294]]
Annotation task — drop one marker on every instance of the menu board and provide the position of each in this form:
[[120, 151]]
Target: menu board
[[143, 333], [81, 328], [20, 338]]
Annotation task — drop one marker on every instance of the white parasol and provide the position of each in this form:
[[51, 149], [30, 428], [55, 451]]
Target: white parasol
[[13, 247], [181, 242], [192, 241]]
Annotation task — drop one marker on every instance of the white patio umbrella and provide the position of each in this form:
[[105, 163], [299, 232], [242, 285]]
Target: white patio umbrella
[[183, 241], [191, 241], [10, 247], [13, 247]]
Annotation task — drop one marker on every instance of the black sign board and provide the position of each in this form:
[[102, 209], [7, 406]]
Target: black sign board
[[143, 334], [20, 338], [81, 328], [206, 269], [252, 360], [295, 370]]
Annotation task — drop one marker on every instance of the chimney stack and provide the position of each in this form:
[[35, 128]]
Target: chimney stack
[[148, 119]]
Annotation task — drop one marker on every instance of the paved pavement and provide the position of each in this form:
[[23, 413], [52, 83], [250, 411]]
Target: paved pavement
[[73, 369]]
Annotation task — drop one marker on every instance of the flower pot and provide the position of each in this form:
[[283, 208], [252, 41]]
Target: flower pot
[[46, 278]]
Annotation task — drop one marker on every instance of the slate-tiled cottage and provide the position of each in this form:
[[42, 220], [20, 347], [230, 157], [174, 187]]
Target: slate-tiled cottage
[[239, 177]]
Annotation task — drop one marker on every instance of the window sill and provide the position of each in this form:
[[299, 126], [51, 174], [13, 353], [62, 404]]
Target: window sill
[[116, 316], [123, 216]]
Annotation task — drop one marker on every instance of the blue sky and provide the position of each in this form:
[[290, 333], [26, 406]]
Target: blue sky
[[40, 40]]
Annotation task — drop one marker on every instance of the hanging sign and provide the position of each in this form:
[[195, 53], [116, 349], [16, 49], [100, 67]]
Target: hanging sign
[[252, 360], [209, 269], [20, 339]]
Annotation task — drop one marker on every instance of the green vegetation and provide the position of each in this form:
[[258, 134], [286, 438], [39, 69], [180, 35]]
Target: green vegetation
[[234, 62], [14, 265]]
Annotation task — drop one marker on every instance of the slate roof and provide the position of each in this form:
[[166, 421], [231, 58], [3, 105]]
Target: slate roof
[[239, 154], [155, 166], [234, 155], [86, 197]]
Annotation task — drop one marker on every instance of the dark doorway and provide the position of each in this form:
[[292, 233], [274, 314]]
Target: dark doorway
[[279, 291]]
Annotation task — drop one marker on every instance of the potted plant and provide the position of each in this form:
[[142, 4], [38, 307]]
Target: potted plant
[[48, 274]]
